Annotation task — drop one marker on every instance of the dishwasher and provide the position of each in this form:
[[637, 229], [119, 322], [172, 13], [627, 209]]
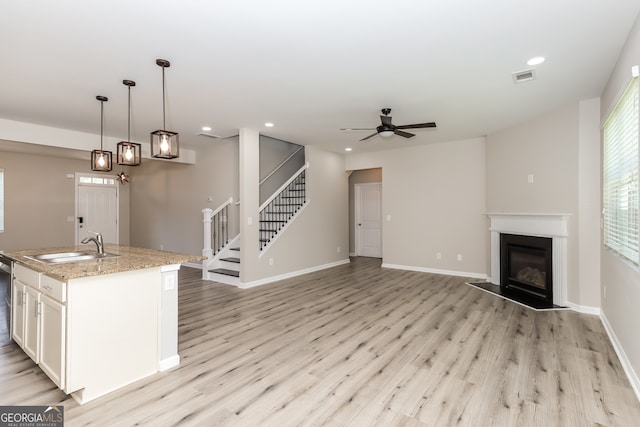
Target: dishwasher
[[5, 289]]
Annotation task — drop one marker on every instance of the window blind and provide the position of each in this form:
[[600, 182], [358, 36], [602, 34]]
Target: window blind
[[620, 176]]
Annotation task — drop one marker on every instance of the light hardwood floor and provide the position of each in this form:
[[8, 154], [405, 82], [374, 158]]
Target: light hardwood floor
[[358, 345]]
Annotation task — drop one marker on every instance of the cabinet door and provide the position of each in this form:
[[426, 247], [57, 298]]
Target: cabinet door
[[31, 320], [17, 312], [52, 339]]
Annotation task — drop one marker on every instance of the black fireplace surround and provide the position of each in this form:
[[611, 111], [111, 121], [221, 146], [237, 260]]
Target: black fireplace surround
[[526, 265]]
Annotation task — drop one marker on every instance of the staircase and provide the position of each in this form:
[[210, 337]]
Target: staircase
[[225, 268], [223, 255], [279, 209], [276, 213]]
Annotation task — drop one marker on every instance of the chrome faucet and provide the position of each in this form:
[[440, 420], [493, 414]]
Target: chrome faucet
[[97, 240]]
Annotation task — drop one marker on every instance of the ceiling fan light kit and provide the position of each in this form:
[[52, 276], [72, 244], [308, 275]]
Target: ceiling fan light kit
[[387, 129]]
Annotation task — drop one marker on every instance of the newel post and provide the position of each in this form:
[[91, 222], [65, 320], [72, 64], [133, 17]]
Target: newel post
[[206, 251]]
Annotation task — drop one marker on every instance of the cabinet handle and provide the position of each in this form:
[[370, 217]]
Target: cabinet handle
[[36, 309], [47, 287], [24, 297]]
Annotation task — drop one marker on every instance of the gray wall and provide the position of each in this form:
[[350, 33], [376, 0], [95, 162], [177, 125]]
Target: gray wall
[[433, 200], [620, 280], [561, 150], [39, 197], [319, 236], [167, 198], [272, 153], [547, 148]]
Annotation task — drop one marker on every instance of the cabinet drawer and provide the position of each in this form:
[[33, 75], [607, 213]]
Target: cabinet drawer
[[53, 288], [27, 276]]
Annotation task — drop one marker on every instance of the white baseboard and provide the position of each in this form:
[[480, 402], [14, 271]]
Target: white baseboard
[[436, 271], [169, 363], [622, 356], [584, 309], [292, 274]]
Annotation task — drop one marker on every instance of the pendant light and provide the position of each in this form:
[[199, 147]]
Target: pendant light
[[128, 153], [164, 143], [100, 159]]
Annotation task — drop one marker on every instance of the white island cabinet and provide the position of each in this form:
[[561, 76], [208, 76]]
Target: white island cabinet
[[95, 332]]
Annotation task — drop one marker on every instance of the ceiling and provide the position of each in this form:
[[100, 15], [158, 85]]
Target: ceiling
[[309, 67]]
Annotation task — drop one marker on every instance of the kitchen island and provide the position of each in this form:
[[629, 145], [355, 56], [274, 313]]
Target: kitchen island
[[97, 325]]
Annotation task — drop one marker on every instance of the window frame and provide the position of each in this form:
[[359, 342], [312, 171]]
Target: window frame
[[620, 180]]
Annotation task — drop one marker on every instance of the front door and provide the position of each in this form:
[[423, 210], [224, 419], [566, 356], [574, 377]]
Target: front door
[[368, 216], [97, 211]]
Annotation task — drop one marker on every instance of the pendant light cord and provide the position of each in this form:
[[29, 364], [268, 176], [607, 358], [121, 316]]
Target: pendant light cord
[[101, 122], [164, 125], [129, 117]]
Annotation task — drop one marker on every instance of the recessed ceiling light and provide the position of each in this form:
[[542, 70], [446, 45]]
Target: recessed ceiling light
[[269, 124], [536, 61], [206, 128], [347, 149]]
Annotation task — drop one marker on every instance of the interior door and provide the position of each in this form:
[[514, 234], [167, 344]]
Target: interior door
[[97, 212], [368, 206]]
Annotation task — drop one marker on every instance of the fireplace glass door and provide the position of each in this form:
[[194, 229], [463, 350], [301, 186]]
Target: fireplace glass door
[[525, 264]]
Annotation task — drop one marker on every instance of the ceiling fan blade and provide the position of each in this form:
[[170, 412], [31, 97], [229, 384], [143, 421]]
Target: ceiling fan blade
[[418, 126], [401, 133], [348, 129], [386, 120], [370, 136]]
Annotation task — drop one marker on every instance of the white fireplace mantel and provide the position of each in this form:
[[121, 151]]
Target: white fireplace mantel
[[554, 226]]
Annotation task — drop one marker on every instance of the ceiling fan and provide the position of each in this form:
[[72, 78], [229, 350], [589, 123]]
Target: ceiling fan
[[386, 129]]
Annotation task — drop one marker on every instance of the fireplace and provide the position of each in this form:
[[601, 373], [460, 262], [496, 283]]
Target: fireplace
[[526, 265], [552, 226]]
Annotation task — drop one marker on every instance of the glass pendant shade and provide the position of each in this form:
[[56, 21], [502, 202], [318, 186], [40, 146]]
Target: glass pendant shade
[[164, 143], [129, 153], [101, 160]]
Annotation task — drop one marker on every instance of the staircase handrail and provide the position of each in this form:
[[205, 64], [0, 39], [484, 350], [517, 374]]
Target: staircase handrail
[[277, 168], [209, 213], [283, 186]]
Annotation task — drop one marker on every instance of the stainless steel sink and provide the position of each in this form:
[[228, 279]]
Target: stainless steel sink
[[62, 257]]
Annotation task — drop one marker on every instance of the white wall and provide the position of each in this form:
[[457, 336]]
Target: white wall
[[620, 280], [318, 237], [433, 200]]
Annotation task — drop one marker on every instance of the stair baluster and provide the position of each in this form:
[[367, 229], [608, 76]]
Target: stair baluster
[[282, 207]]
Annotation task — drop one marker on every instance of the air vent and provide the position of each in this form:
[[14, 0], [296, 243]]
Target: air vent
[[524, 76], [209, 135]]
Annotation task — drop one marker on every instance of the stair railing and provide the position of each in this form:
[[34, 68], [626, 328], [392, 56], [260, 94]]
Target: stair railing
[[278, 209], [216, 229]]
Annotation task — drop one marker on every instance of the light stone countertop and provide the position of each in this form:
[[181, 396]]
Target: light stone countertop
[[130, 259]]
